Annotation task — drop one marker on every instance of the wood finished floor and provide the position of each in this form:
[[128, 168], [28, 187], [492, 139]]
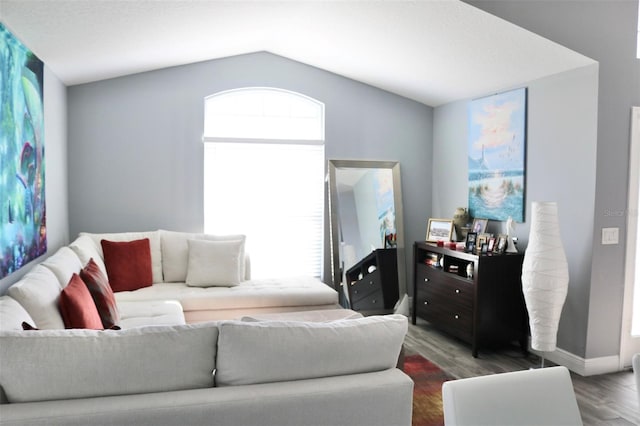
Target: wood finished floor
[[607, 399]]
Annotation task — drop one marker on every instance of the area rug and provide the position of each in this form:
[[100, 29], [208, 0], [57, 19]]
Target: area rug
[[427, 390]]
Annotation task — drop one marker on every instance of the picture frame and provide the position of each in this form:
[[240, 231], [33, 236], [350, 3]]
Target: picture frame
[[439, 230], [470, 242], [479, 225], [496, 143], [482, 242], [491, 245], [501, 244]]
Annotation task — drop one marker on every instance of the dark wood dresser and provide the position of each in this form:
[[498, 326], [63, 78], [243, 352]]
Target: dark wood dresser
[[476, 298], [373, 282]]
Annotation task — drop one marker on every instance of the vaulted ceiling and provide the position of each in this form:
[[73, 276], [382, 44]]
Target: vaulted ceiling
[[432, 51]]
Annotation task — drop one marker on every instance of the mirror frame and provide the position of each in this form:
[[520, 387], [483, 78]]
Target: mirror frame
[[333, 165]]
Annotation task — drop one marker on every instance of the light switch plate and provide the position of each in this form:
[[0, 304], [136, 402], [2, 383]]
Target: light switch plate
[[610, 236]]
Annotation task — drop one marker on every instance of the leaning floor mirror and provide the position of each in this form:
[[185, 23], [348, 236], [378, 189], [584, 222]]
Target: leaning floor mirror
[[367, 235]]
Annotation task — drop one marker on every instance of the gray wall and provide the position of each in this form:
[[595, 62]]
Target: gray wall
[[562, 114], [55, 143], [135, 145], [605, 31]]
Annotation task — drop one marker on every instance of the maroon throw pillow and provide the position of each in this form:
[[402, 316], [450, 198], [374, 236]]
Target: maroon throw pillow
[[101, 293], [77, 307], [128, 264]]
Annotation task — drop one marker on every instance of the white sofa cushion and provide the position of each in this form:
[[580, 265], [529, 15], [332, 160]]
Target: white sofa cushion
[[90, 363], [175, 253], [154, 245], [214, 263], [152, 312], [85, 248], [303, 350], [38, 292], [258, 293], [63, 263], [12, 314]]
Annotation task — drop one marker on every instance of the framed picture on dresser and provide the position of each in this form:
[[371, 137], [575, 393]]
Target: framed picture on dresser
[[439, 230]]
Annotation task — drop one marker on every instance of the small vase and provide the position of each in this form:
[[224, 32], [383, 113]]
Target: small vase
[[460, 220]]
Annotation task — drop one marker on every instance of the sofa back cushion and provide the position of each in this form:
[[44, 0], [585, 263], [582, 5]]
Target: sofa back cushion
[[154, 245], [38, 292], [175, 253], [274, 351], [86, 249], [63, 263], [12, 314], [64, 364]]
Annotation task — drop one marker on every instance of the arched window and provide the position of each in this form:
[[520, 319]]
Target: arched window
[[264, 176]]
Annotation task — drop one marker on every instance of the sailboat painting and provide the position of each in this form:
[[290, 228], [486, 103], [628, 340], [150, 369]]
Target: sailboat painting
[[23, 232], [497, 147]]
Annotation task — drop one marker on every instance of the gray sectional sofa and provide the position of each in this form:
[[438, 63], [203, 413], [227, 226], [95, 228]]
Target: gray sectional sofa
[[216, 373]]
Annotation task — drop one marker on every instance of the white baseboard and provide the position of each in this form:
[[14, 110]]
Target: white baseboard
[[582, 366]]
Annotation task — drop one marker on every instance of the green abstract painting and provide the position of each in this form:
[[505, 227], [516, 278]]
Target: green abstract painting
[[23, 232]]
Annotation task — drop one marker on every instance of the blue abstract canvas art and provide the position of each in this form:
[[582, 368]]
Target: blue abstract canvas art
[[23, 233], [497, 138]]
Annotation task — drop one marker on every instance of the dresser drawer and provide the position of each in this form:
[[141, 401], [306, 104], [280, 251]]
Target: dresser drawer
[[453, 318], [444, 286], [364, 287], [428, 302], [370, 302]]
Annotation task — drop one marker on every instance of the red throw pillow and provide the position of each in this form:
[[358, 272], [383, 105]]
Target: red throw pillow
[[28, 327], [77, 307], [101, 293], [128, 264]]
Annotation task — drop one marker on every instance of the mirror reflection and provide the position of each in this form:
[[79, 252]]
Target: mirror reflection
[[366, 233]]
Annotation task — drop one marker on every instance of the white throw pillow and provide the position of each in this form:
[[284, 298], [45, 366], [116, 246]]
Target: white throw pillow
[[214, 263], [175, 253]]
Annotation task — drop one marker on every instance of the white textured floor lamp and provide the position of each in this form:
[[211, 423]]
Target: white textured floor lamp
[[545, 276]]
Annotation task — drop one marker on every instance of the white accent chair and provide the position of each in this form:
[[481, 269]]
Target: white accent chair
[[532, 397], [635, 362]]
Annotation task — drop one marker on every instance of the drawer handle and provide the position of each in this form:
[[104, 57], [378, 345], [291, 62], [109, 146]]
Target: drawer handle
[[426, 280], [370, 282], [456, 316], [426, 303], [373, 301], [355, 291], [457, 291]]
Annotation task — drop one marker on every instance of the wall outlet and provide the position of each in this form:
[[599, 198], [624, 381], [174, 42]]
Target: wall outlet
[[610, 236]]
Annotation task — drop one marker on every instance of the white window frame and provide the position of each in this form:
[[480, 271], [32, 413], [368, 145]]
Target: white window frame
[[285, 250]]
